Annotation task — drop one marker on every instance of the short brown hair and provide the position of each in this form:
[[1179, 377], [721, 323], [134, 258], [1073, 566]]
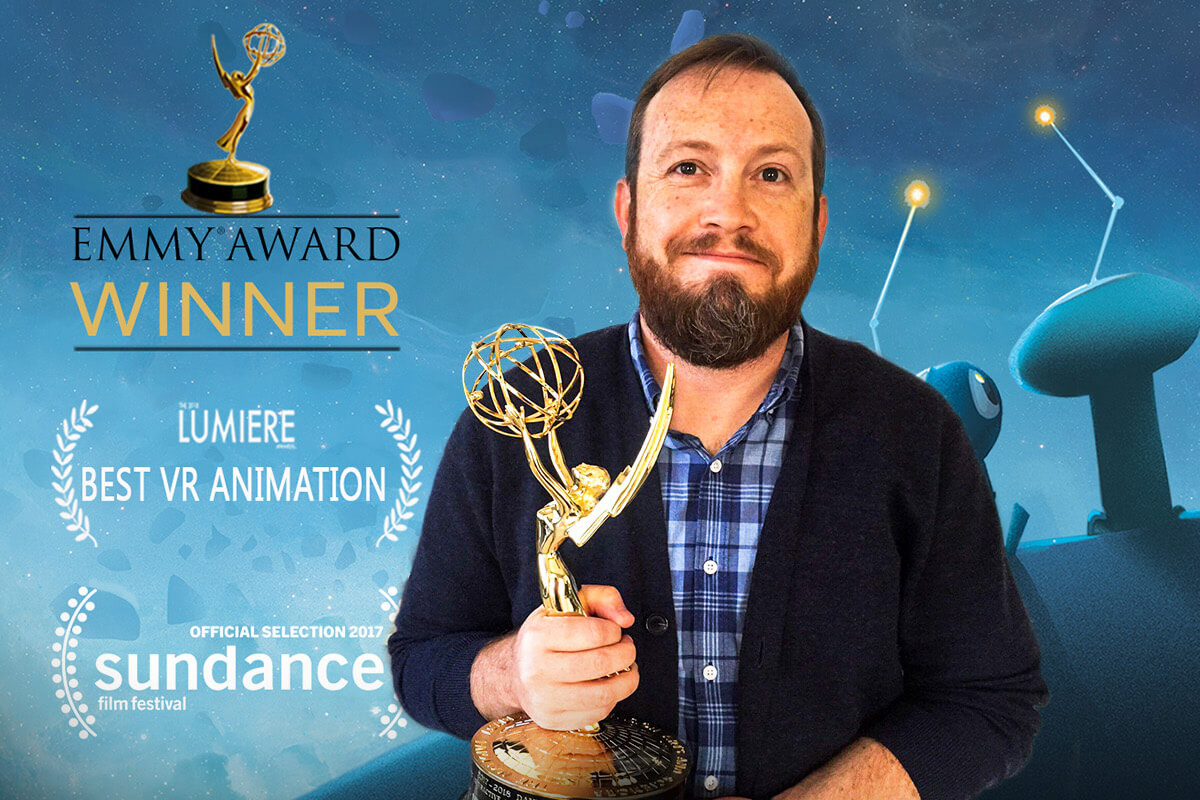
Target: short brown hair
[[718, 52]]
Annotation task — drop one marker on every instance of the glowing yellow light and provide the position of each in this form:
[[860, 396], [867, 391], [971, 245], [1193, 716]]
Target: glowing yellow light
[[917, 194], [1044, 115]]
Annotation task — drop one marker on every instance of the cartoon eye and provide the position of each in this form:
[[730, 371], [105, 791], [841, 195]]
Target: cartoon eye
[[984, 394]]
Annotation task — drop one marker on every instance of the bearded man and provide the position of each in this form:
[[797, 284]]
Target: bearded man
[[812, 589]]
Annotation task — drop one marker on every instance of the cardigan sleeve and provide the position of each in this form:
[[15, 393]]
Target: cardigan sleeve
[[972, 680], [455, 600]]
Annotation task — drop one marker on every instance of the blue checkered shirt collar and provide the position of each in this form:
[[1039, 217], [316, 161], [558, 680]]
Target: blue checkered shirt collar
[[783, 387]]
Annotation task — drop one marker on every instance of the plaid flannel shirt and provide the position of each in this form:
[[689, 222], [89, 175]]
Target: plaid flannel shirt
[[714, 508]]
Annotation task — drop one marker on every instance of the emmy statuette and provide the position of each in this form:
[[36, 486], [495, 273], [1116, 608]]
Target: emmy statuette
[[229, 186], [512, 757]]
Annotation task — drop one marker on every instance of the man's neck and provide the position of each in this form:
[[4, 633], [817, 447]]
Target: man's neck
[[712, 404]]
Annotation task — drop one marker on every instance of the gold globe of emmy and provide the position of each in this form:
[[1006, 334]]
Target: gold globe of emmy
[[229, 186], [557, 363], [524, 381]]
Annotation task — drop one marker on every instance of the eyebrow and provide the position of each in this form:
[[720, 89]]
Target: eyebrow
[[758, 152]]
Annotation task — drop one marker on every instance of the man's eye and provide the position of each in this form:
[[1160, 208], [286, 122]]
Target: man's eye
[[774, 175], [686, 168]]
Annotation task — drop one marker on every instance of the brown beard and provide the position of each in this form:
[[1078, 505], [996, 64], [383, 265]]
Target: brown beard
[[720, 324]]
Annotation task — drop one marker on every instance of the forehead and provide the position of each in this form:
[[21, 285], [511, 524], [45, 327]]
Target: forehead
[[733, 108]]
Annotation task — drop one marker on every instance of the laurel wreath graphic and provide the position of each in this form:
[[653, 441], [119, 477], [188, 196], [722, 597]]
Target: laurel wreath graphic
[[73, 428], [394, 718], [400, 429], [390, 603], [64, 669]]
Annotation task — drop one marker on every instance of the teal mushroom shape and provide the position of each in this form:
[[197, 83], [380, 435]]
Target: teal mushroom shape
[[1106, 340]]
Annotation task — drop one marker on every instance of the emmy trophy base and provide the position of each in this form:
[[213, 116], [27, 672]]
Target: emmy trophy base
[[228, 187], [512, 758]]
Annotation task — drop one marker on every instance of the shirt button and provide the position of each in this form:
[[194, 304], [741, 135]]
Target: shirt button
[[710, 783], [710, 567], [709, 672], [715, 466]]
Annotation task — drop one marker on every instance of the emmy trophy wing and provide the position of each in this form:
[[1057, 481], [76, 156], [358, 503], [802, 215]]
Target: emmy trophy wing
[[627, 484], [225, 81]]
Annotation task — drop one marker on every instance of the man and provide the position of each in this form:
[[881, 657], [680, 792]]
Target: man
[[812, 590]]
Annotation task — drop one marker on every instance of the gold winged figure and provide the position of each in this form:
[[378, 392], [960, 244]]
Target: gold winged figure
[[265, 45], [239, 86], [229, 186], [583, 498], [512, 755]]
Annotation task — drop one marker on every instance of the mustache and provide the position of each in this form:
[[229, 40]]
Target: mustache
[[711, 240]]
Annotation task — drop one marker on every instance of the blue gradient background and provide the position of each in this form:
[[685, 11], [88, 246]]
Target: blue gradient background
[[106, 107]]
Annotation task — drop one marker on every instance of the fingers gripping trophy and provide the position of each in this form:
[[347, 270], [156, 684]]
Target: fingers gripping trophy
[[229, 186], [514, 758]]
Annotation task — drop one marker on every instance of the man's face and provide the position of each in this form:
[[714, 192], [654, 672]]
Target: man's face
[[722, 240]]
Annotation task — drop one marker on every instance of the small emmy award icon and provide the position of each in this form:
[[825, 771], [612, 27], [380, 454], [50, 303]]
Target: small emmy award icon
[[512, 757], [229, 186]]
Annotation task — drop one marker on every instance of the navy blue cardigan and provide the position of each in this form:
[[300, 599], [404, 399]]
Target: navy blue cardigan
[[881, 603]]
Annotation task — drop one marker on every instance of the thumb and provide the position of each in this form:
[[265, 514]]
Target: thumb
[[605, 602]]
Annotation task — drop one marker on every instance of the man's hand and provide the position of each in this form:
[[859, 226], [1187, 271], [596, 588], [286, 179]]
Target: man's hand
[[865, 770], [563, 671]]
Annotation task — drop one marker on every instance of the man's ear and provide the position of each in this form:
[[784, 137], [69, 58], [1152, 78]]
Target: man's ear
[[621, 209], [822, 218]]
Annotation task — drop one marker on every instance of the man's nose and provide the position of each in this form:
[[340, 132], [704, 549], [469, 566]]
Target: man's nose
[[728, 204]]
